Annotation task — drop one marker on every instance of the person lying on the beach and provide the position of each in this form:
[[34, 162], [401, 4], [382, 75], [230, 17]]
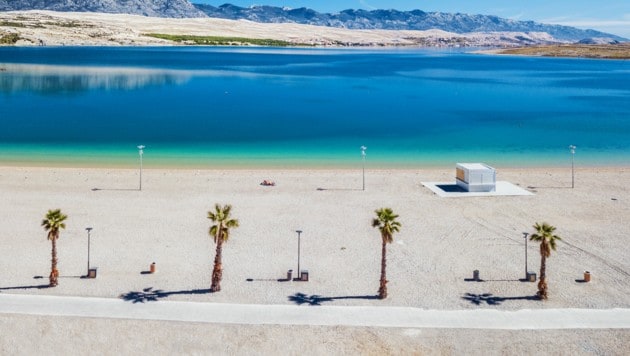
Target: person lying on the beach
[[268, 182]]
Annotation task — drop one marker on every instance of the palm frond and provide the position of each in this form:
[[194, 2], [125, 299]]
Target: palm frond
[[221, 216], [386, 222], [213, 232], [545, 234], [226, 210], [552, 241], [53, 222]]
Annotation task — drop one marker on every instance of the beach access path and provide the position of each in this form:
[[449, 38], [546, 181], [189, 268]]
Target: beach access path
[[265, 314]]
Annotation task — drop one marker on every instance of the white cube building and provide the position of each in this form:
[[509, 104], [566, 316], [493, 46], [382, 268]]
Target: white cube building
[[476, 177]]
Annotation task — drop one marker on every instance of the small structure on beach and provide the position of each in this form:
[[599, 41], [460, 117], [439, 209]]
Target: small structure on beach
[[476, 177]]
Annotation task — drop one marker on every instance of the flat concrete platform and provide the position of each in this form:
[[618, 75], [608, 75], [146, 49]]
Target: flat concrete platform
[[452, 190], [282, 314]]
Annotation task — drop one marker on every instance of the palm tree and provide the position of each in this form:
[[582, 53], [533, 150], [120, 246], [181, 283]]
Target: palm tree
[[54, 221], [386, 222], [220, 232], [544, 234]]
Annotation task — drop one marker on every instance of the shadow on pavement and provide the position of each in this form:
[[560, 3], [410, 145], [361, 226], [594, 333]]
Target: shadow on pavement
[[301, 298], [151, 295], [40, 286], [490, 299]]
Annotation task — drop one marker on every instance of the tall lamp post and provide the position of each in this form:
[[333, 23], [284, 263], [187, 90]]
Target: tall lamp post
[[363, 148], [88, 229], [141, 152], [572, 148], [299, 232], [526, 270]]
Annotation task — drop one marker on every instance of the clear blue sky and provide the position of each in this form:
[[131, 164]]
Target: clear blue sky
[[611, 16]]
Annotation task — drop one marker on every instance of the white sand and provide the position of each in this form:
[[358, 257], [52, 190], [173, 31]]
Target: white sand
[[441, 242]]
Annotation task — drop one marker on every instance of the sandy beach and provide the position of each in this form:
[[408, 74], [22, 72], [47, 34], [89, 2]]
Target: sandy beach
[[430, 264]]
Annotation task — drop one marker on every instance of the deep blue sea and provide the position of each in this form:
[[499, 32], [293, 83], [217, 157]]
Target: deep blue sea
[[264, 107]]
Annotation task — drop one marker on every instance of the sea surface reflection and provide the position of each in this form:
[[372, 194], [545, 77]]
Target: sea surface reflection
[[50, 80]]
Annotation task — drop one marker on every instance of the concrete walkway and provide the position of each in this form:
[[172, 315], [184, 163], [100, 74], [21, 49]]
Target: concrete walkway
[[256, 314]]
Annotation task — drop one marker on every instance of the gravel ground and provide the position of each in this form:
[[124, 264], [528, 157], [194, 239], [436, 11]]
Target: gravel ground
[[31, 335], [441, 242]]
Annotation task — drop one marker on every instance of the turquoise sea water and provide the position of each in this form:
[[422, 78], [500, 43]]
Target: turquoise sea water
[[258, 107]]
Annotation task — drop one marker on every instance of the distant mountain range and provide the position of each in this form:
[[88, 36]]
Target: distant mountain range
[[400, 20], [351, 19], [156, 8]]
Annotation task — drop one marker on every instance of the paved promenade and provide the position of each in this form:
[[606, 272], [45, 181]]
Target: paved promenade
[[255, 314]]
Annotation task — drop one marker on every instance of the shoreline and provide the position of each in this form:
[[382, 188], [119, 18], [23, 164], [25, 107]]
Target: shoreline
[[341, 166], [619, 51], [246, 158], [351, 167]]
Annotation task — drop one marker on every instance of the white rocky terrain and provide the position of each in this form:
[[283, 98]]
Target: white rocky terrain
[[37, 27]]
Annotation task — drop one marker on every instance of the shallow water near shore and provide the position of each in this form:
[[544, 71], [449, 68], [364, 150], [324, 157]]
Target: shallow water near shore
[[292, 108]]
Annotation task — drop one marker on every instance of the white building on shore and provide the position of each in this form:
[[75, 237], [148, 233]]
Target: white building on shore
[[476, 177]]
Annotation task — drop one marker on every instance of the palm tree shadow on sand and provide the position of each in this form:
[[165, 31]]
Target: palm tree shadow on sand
[[301, 298], [533, 188], [37, 286], [40, 286], [490, 299], [153, 295]]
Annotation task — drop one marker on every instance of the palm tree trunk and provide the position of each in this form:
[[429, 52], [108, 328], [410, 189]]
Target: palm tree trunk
[[53, 268], [542, 284], [217, 272], [382, 291]]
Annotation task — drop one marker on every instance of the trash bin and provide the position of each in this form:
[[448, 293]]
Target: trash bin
[[289, 274], [587, 276], [304, 276], [476, 275], [531, 277], [92, 272], [152, 268]]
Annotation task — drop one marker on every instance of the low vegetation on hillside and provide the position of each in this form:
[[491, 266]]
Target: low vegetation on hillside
[[9, 38], [222, 41]]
